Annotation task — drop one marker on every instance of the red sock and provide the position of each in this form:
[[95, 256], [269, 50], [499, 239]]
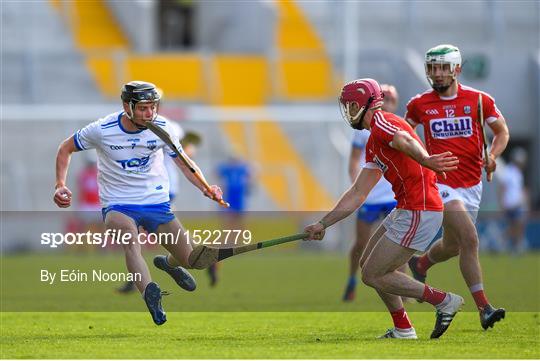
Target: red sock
[[401, 319], [423, 264], [480, 299], [433, 295]]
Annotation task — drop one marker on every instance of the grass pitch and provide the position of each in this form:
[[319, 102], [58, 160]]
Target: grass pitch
[[294, 308], [258, 335]]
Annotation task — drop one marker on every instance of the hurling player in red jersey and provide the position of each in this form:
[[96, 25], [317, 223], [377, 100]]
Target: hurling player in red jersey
[[448, 114], [395, 151]]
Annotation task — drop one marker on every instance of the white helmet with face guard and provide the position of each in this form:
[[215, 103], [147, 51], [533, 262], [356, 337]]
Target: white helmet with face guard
[[444, 54]]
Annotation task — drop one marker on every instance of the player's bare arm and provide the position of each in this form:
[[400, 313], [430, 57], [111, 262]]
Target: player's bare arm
[[500, 141], [214, 193], [353, 198], [354, 162], [62, 194], [439, 163], [411, 122]]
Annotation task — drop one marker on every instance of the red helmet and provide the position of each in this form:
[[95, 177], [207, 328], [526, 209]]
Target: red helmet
[[366, 93]]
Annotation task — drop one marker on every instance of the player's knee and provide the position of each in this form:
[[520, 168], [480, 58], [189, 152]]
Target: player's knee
[[450, 245], [452, 249], [369, 277], [469, 243], [132, 248]]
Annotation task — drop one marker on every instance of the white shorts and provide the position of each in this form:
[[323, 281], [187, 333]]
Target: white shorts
[[471, 197], [412, 229]]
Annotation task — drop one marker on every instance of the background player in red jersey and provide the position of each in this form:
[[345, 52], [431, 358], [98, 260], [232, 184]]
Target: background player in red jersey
[[393, 149], [448, 114]]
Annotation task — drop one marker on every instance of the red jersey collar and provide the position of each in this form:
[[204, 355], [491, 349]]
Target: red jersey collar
[[373, 117]]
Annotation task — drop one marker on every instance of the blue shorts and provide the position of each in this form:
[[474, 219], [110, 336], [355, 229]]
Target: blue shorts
[[515, 214], [149, 216], [370, 213]]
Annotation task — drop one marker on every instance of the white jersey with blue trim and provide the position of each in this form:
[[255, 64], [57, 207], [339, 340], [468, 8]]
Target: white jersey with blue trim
[[130, 164], [382, 192]]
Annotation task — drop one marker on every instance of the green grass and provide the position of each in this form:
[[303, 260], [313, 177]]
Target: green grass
[[294, 308], [258, 335], [261, 281]]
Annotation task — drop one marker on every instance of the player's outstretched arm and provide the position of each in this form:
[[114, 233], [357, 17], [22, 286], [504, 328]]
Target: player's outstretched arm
[[501, 136], [62, 194], [353, 198], [214, 193], [439, 163]]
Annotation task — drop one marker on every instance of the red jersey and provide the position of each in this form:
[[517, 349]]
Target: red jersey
[[413, 185], [451, 124]]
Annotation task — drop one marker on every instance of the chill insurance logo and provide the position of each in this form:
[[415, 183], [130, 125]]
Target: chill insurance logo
[[445, 128]]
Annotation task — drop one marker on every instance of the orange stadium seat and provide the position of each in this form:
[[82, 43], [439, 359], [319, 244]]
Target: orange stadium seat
[[308, 78], [180, 76], [240, 80]]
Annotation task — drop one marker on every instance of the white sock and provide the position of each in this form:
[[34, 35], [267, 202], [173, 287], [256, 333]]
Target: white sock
[[477, 287], [444, 302], [167, 263], [404, 329]]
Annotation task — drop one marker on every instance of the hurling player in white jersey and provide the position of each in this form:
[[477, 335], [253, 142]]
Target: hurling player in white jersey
[[380, 201], [190, 142], [134, 187]]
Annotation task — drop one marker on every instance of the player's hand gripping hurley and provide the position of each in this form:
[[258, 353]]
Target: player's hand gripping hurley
[[481, 121], [164, 136]]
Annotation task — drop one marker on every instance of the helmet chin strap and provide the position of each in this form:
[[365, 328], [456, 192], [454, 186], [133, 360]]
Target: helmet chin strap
[[130, 117]]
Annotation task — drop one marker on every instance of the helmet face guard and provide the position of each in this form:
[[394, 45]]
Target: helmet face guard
[[355, 121], [140, 92], [363, 94]]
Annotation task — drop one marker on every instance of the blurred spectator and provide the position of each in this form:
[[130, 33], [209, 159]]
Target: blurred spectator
[[190, 142], [88, 214], [391, 98], [236, 177], [88, 185], [513, 199], [176, 22]]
